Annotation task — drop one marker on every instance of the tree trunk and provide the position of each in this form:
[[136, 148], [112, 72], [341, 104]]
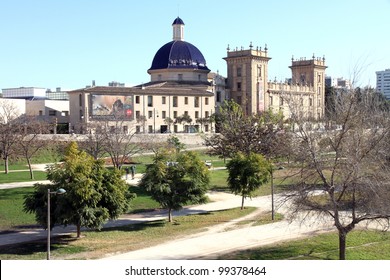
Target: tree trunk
[[170, 215], [242, 202], [30, 167], [342, 244], [78, 230], [6, 169]]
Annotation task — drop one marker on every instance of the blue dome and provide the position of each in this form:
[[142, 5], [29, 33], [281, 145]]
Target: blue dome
[[178, 21], [178, 54]]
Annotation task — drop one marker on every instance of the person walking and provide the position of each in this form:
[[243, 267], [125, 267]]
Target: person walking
[[132, 168], [127, 172]]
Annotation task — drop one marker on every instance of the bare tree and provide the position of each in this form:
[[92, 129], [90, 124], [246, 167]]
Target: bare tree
[[344, 166], [29, 129], [119, 140], [94, 143], [9, 136]]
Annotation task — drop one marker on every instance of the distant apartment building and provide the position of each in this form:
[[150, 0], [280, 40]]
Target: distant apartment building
[[338, 82], [383, 82]]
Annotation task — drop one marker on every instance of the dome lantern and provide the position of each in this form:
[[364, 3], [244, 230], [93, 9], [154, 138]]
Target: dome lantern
[[178, 29]]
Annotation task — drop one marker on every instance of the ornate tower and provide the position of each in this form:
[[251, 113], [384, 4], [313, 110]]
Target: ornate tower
[[311, 72], [247, 72]]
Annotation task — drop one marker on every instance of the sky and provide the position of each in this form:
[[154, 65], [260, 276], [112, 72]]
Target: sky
[[67, 44]]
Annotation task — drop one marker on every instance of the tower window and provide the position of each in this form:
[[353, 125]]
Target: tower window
[[239, 72]]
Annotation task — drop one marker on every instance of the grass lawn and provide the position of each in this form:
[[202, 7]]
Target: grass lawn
[[11, 211], [143, 202], [97, 244], [361, 245], [22, 176]]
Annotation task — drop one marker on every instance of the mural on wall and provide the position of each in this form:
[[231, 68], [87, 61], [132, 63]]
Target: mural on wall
[[109, 106]]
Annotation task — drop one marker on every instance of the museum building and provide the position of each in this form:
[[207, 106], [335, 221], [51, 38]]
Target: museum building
[[178, 98]]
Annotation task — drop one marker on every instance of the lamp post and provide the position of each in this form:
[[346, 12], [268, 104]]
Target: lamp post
[[59, 191]]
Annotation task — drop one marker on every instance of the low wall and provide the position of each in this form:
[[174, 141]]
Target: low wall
[[188, 139]]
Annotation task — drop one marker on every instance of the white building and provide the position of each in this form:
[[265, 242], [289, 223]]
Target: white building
[[24, 92], [383, 82]]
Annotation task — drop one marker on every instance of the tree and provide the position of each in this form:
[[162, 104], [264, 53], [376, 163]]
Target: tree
[[119, 142], [176, 179], [247, 173], [169, 122], [185, 118], [344, 168], [240, 133], [94, 143], [94, 194], [9, 136], [174, 142], [29, 129]]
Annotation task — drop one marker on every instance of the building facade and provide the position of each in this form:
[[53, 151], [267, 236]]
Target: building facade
[[178, 98], [383, 82], [250, 87]]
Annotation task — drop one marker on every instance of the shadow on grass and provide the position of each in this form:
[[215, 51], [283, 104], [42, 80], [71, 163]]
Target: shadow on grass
[[38, 248]]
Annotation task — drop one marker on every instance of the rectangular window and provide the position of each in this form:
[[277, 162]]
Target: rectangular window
[[206, 127], [175, 114], [65, 113], [40, 112], [186, 113], [218, 96], [239, 72], [137, 99], [137, 114], [239, 100], [310, 102], [150, 114], [186, 100], [137, 129], [174, 101], [150, 101], [150, 128], [175, 128], [196, 114], [52, 113], [281, 101], [206, 101], [239, 86], [196, 101], [80, 100], [164, 100], [206, 114], [163, 114]]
